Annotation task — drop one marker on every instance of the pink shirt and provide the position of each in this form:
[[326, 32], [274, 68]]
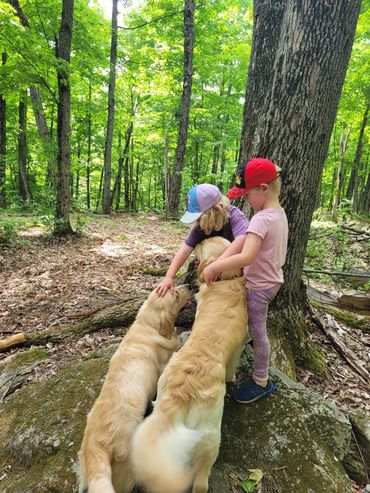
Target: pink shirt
[[266, 269]]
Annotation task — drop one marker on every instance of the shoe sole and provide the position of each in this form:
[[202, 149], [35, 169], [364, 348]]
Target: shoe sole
[[271, 392]]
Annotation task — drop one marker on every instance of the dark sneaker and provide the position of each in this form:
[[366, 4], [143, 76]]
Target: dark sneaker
[[250, 391]]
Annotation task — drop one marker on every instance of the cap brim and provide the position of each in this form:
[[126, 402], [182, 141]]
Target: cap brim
[[235, 192], [190, 217]]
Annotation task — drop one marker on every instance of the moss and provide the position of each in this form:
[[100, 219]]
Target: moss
[[349, 318], [28, 356], [42, 427], [313, 359], [153, 271]]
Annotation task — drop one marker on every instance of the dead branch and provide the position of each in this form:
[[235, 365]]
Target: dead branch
[[11, 341], [328, 326]]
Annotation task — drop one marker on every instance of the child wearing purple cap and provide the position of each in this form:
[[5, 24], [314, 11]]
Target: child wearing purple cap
[[211, 215], [262, 256]]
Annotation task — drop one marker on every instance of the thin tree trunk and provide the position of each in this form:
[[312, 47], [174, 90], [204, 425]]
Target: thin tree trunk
[[45, 136], [167, 173], [116, 192], [175, 187], [77, 187], [110, 123], [100, 189], [40, 117], [358, 156], [3, 144], [62, 220], [340, 171], [23, 185], [126, 182], [88, 161]]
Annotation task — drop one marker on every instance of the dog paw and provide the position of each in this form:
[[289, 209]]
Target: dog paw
[[183, 337]]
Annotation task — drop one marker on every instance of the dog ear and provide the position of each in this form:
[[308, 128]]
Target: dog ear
[[166, 326]]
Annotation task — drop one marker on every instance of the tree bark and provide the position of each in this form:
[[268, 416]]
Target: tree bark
[[167, 173], [358, 156], [340, 171], [23, 185], [175, 187], [62, 220], [3, 144], [110, 123], [300, 52], [88, 161]]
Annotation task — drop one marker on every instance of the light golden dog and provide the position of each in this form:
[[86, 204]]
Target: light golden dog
[[176, 446], [129, 386]]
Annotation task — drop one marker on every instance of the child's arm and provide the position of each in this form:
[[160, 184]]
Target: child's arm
[[177, 262], [251, 247]]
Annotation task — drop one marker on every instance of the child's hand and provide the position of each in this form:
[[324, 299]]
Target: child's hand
[[210, 274], [164, 286]]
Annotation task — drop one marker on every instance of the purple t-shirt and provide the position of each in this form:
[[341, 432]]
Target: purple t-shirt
[[236, 226]]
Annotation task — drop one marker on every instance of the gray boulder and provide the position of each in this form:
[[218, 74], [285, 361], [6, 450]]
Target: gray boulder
[[295, 437]]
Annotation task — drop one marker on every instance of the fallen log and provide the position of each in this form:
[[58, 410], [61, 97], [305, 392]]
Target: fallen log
[[112, 317], [328, 326]]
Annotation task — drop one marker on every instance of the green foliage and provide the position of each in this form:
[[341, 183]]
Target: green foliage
[[333, 248], [8, 231], [148, 91]]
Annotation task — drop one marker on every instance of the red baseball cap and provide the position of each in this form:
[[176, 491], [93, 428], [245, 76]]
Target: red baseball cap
[[253, 174]]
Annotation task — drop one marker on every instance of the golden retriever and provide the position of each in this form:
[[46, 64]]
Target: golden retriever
[[129, 386], [208, 251], [176, 446]]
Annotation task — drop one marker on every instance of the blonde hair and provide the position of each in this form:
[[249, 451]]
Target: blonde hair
[[216, 217], [275, 185]]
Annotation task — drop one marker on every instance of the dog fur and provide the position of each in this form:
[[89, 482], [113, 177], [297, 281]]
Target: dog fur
[[208, 251], [129, 386], [176, 446]]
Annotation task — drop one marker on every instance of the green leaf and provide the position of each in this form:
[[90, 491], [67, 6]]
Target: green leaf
[[253, 479]]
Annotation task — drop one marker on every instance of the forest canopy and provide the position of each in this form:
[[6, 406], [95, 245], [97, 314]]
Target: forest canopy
[[149, 77]]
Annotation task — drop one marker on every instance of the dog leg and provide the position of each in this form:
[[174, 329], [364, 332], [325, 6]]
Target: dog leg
[[205, 458], [233, 364], [122, 477]]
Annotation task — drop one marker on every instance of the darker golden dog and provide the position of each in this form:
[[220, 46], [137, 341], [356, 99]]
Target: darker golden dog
[[176, 446], [129, 386]]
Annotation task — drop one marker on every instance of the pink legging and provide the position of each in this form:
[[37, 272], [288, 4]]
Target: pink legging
[[258, 302]]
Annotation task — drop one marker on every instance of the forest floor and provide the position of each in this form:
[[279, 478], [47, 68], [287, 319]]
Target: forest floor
[[46, 282]]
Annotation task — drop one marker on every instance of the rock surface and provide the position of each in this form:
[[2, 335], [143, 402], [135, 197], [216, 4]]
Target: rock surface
[[295, 437]]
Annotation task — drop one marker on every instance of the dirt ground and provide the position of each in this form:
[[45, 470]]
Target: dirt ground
[[50, 283]]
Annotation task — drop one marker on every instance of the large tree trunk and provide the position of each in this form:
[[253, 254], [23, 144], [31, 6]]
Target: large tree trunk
[[62, 219], [175, 186], [110, 123], [3, 144], [23, 186], [299, 57]]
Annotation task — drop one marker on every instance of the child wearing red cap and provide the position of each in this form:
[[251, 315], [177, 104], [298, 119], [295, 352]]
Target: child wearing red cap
[[212, 215], [262, 257]]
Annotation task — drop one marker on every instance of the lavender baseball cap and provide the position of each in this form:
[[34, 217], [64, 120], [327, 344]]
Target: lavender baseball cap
[[200, 198]]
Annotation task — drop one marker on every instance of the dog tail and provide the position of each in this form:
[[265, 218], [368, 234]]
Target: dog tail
[[161, 451], [95, 473]]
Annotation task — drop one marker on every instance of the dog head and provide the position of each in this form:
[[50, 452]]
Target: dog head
[[208, 251], [165, 309]]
